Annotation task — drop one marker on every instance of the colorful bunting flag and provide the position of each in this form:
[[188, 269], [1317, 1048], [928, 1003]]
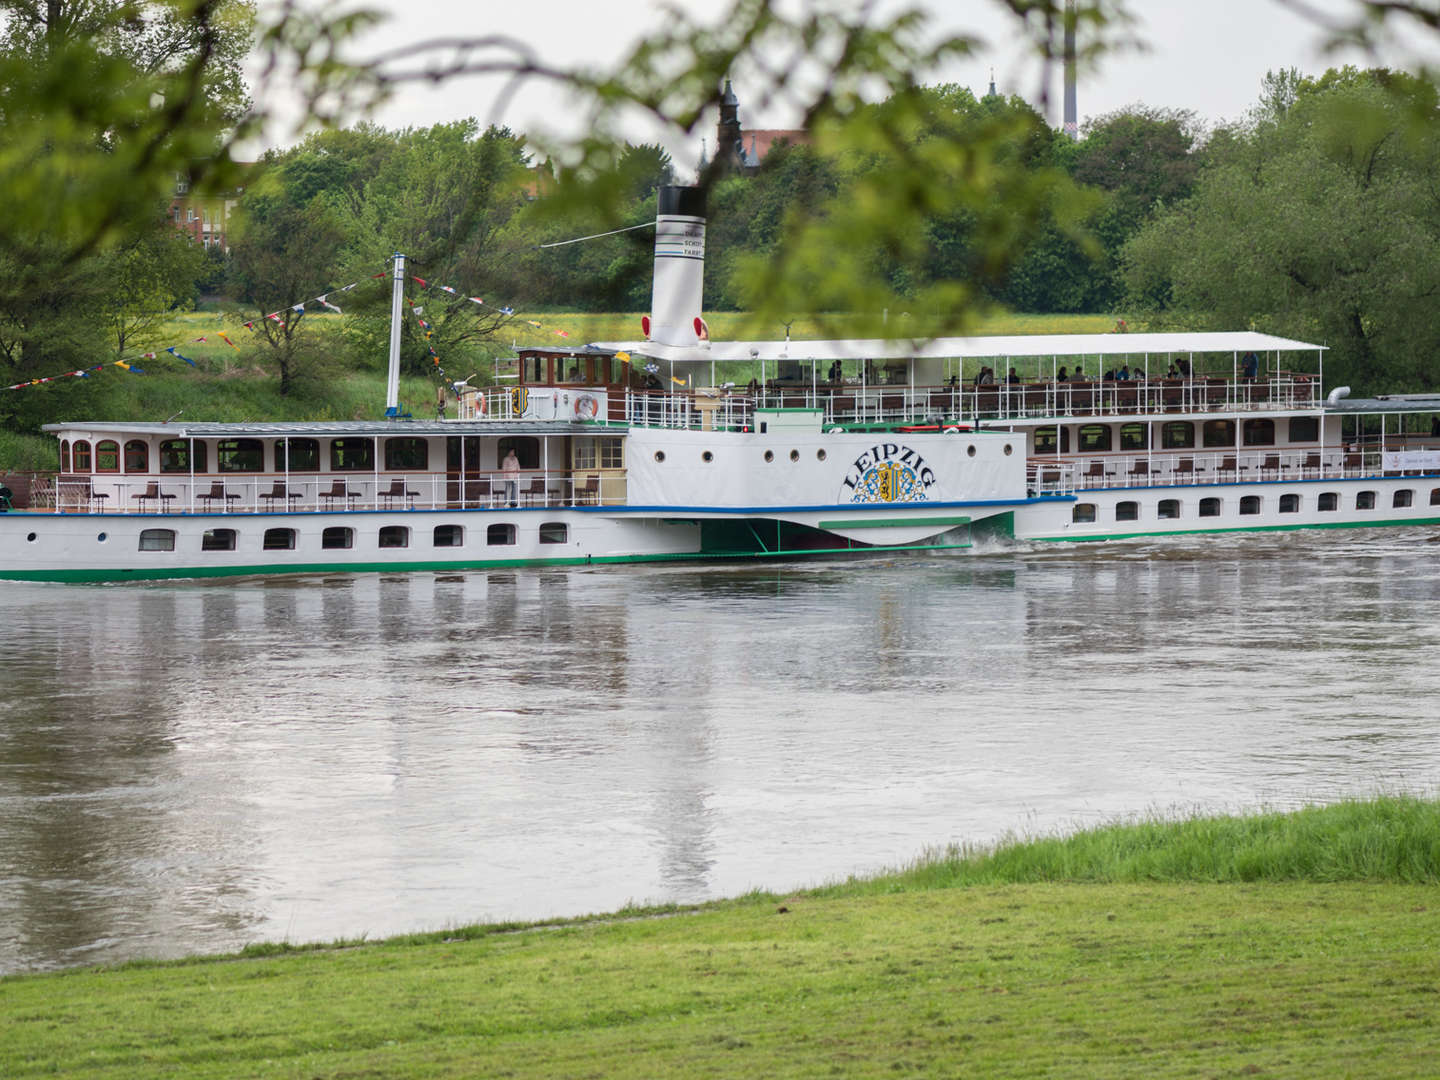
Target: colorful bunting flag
[[476, 300], [173, 351], [228, 341]]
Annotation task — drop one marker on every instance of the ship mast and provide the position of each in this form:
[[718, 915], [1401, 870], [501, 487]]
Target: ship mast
[[397, 300]]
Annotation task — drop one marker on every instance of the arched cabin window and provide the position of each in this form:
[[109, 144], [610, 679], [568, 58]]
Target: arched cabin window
[[175, 456], [527, 449], [1219, 433], [137, 456], [1094, 438], [352, 454], [407, 453], [82, 455], [64, 455], [297, 455], [107, 456], [1178, 435], [240, 455], [1259, 432]]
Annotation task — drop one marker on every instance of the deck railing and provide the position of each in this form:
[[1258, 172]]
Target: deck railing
[[884, 403], [1169, 468], [267, 493]]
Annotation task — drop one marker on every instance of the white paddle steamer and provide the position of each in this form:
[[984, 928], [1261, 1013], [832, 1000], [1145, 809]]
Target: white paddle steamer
[[833, 446]]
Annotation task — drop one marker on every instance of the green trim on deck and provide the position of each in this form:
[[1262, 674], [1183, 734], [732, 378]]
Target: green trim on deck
[[1234, 529], [893, 523]]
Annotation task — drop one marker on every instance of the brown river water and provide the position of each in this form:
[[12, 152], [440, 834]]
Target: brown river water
[[192, 767]]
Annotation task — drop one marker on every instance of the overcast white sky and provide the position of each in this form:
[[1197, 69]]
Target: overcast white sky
[[1205, 55]]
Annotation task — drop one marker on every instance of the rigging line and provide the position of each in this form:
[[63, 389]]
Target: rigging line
[[596, 236]]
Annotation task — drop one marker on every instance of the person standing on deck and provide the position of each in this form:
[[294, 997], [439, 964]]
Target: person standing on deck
[[510, 467]]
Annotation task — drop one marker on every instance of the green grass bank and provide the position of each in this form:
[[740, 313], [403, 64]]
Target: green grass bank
[[1291, 945]]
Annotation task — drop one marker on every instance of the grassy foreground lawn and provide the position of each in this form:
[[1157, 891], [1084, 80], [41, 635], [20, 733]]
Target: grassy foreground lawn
[[917, 973]]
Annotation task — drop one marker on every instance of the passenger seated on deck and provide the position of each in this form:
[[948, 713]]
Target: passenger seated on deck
[[1061, 375], [1172, 373], [1249, 367], [1013, 379], [1123, 375], [1079, 375], [1184, 365]]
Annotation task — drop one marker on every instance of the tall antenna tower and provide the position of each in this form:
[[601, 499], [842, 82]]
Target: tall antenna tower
[[1072, 126]]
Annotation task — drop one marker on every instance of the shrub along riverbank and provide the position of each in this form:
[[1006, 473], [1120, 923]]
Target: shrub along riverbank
[[1277, 945]]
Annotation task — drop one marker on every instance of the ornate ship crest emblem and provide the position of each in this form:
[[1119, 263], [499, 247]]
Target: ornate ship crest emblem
[[889, 473], [519, 399]]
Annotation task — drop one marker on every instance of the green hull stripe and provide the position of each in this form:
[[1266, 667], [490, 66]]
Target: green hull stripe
[[893, 523], [1235, 528], [179, 573]]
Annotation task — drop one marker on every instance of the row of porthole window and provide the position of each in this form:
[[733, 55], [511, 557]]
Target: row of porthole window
[[1167, 509], [342, 537], [820, 455]]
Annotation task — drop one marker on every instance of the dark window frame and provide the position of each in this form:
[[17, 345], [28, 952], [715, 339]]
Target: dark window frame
[[278, 539], [107, 448], [157, 540], [1085, 445], [140, 462], [393, 536], [1171, 428], [1211, 506], [1218, 433], [1258, 431], [505, 532], [214, 540], [403, 451], [172, 450], [285, 455], [554, 532], [238, 454], [362, 447], [333, 533], [455, 534]]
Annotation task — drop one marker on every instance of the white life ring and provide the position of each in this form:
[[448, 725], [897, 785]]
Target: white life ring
[[479, 403]]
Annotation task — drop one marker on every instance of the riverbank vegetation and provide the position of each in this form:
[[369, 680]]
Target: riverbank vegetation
[[1280, 944]]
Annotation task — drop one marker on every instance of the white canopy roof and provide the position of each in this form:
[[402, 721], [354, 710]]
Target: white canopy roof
[[1013, 346]]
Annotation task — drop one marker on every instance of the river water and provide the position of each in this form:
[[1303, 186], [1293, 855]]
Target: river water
[[191, 767]]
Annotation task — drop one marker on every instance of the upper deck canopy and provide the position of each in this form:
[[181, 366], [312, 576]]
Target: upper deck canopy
[[994, 347]]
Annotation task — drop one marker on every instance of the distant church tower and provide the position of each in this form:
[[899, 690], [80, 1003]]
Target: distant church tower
[[729, 149]]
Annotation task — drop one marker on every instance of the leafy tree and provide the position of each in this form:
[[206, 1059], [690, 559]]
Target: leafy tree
[[283, 253], [150, 277], [1320, 222], [441, 197]]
